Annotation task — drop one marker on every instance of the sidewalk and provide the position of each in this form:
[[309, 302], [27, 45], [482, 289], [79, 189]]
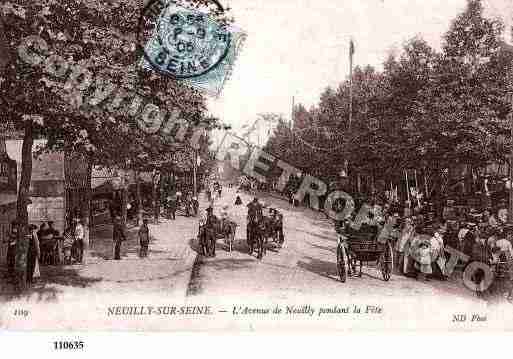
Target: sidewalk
[[166, 269]]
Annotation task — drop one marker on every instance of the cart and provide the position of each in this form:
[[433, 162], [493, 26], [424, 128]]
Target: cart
[[363, 247]]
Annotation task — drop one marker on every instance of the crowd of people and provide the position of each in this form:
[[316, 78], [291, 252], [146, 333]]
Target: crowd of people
[[45, 246], [188, 202], [420, 238]]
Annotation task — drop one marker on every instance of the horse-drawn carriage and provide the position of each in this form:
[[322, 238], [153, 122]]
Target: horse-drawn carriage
[[261, 229], [210, 232], [362, 246]]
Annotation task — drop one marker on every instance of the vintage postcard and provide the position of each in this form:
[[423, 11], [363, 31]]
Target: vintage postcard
[[250, 165]]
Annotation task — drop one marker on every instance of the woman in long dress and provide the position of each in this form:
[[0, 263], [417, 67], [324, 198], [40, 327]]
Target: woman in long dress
[[33, 255]]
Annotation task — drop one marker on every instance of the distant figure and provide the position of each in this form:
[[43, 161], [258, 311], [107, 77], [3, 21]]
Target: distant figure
[[79, 240], [11, 249], [43, 231], [238, 201], [51, 230], [144, 238], [172, 202], [218, 188], [33, 255], [67, 246], [118, 236]]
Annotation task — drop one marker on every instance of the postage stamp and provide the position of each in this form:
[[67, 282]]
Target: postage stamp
[[191, 45]]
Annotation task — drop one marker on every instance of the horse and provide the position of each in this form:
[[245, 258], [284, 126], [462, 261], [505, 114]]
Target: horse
[[207, 237], [259, 229], [255, 234]]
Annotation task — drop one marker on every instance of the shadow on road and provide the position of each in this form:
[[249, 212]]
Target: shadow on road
[[324, 248], [44, 289], [319, 267]]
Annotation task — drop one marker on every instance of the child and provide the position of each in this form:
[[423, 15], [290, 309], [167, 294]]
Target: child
[[144, 238], [67, 245]]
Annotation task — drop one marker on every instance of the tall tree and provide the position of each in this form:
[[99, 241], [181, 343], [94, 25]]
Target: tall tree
[[100, 38]]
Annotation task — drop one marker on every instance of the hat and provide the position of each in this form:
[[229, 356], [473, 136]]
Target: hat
[[209, 209], [225, 206]]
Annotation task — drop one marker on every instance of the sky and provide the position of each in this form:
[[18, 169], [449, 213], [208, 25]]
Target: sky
[[300, 47]]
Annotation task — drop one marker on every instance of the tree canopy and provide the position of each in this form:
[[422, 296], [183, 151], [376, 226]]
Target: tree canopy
[[426, 110]]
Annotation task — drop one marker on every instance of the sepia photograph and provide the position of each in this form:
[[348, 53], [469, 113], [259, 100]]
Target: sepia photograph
[[237, 166]]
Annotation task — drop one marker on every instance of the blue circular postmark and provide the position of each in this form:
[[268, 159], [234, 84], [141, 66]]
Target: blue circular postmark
[[185, 43]]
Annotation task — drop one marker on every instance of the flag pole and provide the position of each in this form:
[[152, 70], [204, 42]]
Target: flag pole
[[292, 114], [351, 53]]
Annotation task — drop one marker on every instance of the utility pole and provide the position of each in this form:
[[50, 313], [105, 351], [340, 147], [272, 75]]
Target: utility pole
[[351, 54], [292, 114], [510, 207], [195, 173]]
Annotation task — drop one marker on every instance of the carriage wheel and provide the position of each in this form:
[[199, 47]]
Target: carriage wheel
[[341, 265], [386, 262]]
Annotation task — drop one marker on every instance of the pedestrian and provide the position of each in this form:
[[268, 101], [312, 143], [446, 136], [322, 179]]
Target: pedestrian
[[144, 238], [51, 229], [79, 240], [502, 213], [502, 256], [172, 202], [211, 224], [438, 243], [66, 255], [490, 218], [11, 249], [118, 236], [195, 205], [33, 255], [407, 234], [43, 231], [238, 201], [219, 189]]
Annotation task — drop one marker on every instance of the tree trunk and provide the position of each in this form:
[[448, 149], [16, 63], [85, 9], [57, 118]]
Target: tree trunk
[[26, 174], [124, 202], [155, 199], [87, 215], [138, 198]]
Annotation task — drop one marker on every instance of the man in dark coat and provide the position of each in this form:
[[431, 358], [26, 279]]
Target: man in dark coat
[[254, 215], [254, 209], [172, 203], [118, 236], [11, 249]]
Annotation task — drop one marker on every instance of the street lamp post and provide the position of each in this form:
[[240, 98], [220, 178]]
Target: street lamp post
[[510, 207], [195, 173]]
